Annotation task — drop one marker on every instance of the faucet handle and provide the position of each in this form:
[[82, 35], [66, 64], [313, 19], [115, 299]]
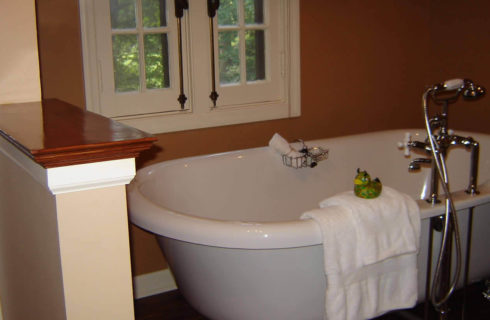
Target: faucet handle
[[405, 144]]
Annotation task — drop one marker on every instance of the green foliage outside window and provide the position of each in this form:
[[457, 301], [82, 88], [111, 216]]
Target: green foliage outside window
[[126, 62], [125, 47], [229, 41]]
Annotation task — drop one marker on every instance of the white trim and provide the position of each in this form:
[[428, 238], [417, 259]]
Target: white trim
[[75, 177], [294, 62], [211, 118], [90, 176], [19, 158], [92, 77], [149, 284]]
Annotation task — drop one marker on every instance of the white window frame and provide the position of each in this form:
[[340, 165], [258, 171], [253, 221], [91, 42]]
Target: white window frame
[[269, 89], [124, 103], [199, 111]]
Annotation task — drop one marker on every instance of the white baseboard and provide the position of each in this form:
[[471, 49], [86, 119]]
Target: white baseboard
[[149, 284]]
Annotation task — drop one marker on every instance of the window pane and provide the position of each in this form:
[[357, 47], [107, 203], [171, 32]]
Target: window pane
[[123, 14], [154, 13], [228, 13], [126, 62], [229, 57], [255, 54], [254, 11], [156, 61]]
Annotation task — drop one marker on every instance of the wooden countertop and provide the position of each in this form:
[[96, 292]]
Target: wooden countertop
[[54, 133]]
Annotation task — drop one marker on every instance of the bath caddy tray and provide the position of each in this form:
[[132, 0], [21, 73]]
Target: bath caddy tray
[[309, 159]]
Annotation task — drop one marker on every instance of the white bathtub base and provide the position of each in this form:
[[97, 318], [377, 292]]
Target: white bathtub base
[[244, 284]]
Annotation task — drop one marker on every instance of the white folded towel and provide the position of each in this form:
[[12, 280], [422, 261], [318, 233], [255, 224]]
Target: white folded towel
[[370, 253], [280, 144]]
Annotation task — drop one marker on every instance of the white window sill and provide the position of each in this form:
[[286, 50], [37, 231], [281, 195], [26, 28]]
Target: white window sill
[[214, 117]]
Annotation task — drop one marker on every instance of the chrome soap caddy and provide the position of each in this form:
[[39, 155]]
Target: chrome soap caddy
[[309, 158]]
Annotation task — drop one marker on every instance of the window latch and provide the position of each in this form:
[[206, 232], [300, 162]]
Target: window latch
[[213, 6], [180, 6]]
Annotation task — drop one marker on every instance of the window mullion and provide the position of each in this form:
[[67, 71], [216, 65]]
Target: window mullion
[[266, 24], [241, 37], [123, 31], [141, 44], [228, 28], [255, 27], [156, 30]]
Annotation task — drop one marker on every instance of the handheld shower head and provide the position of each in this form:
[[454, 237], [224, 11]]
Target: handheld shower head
[[466, 87], [449, 85]]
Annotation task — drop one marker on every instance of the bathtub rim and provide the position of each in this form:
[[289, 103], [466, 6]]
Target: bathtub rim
[[247, 234]]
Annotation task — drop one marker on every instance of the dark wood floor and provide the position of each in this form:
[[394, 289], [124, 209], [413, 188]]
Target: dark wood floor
[[171, 306]]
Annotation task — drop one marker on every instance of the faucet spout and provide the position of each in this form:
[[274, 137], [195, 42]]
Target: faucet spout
[[415, 163]]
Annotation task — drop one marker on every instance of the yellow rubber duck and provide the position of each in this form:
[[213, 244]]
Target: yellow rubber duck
[[366, 188]]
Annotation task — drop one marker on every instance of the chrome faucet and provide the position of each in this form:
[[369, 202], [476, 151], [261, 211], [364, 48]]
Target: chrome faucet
[[444, 94], [415, 163], [439, 140]]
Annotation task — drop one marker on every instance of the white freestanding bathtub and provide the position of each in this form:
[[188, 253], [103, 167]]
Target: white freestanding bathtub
[[229, 223]]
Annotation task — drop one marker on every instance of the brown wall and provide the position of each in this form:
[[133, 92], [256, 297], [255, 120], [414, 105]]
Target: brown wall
[[364, 65], [19, 64], [60, 53], [460, 48]]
